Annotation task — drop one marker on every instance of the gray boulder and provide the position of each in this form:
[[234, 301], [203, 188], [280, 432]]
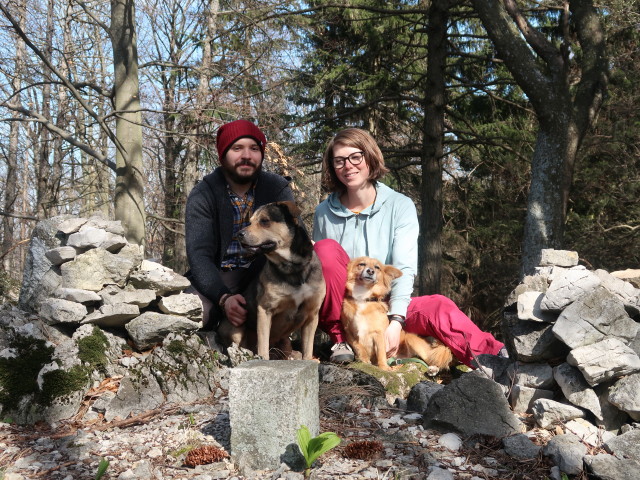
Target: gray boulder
[[567, 287], [608, 467], [472, 405], [156, 277], [576, 389], [625, 394], [566, 451], [521, 447], [58, 310], [151, 328], [96, 268], [117, 315], [39, 279], [604, 360], [597, 315], [549, 413], [420, 394]]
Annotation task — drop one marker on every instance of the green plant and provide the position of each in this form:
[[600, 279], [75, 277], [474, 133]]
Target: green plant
[[312, 448], [102, 468]]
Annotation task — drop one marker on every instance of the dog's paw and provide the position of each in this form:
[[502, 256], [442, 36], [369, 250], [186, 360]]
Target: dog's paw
[[432, 371]]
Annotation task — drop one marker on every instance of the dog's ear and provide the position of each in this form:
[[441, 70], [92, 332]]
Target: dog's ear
[[392, 271], [292, 207]]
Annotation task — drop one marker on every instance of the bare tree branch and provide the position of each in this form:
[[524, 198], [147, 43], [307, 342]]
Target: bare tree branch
[[63, 134]]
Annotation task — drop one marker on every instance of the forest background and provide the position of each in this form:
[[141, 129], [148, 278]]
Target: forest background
[[511, 124]]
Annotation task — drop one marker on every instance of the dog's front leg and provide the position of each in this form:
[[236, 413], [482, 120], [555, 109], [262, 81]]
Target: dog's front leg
[[308, 332], [264, 332]]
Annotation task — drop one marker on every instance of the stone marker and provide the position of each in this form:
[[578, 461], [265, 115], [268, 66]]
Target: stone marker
[[268, 402]]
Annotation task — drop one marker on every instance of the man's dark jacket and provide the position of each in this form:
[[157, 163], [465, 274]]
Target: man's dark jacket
[[209, 226]]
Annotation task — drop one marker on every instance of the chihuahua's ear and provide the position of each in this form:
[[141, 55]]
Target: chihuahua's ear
[[392, 271]]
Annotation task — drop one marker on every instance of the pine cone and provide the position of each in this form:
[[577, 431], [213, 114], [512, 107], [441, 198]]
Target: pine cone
[[203, 455], [363, 450]]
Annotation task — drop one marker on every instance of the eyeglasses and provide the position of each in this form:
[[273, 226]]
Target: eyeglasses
[[355, 159]]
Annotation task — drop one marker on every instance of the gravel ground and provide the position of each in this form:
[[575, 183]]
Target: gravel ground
[[155, 445]]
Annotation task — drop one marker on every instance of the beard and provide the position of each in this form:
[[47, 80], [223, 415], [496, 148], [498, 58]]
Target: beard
[[233, 173]]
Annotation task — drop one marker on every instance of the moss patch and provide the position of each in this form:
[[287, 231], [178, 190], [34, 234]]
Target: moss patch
[[19, 374], [398, 381], [91, 350], [58, 383]]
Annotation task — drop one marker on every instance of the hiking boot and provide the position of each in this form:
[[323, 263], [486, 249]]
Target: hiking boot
[[342, 353]]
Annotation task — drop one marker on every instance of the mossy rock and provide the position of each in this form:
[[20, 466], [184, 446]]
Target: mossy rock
[[399, 380]]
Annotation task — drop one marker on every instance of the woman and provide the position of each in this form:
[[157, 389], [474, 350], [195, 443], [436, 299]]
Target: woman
[[362, 216]]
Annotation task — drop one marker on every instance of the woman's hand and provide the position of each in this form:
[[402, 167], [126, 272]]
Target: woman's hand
[[234, 309], [392, 338]]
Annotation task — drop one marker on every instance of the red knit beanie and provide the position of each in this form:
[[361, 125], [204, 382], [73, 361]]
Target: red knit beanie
[[230, 132]]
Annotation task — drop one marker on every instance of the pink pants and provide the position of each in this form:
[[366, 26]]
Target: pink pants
[[430, 315]]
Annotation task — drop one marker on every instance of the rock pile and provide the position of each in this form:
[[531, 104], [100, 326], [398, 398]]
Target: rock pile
[[97, 310], [83, 271], [573, 336]]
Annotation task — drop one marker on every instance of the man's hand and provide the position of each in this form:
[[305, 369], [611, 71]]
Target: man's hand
[[234, 309], [392, 338]]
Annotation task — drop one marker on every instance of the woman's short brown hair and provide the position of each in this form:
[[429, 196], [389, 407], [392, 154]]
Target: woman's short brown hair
[[356, 138]]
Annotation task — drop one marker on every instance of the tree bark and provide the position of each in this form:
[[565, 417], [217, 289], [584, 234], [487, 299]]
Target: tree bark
[[129, 190], [565, 112], [11, 192], [430, 244]]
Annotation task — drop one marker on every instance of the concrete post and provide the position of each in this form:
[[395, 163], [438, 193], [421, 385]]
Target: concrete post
[[268, 402]]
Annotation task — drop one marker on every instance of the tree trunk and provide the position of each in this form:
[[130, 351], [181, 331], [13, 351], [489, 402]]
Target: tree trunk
[[11, 191], [430, 243], [193, 148], [565, 112], [129, 191]]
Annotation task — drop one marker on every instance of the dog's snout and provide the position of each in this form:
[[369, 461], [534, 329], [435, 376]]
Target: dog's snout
[[369, 271], [240, 234]]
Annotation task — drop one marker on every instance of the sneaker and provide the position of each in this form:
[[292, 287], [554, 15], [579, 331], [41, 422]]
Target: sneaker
[[342, 353]]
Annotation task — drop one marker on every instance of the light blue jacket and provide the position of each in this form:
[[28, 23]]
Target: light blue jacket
[[386, 230]]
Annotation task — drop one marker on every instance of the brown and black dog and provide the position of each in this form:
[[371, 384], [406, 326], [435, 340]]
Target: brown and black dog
[[364, 316], [289, 291]]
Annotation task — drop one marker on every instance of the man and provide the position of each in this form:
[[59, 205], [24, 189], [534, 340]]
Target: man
[[217, 208]]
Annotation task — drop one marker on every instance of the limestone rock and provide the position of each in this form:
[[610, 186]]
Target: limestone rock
[[156, 277], [77, 295], [625, 445], [560, 258], [597, 315], [608, 467], [522, 398], [625, 394], [94, 269], [576, 389], [112, 295], [39, 279], [532, 341], [58, 310], [534, 375], [604, 360], [569, 287], [116, 315], [151, 328], [549, 413], [566, 451], [529, 308], [184, 304], [60, 255]]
